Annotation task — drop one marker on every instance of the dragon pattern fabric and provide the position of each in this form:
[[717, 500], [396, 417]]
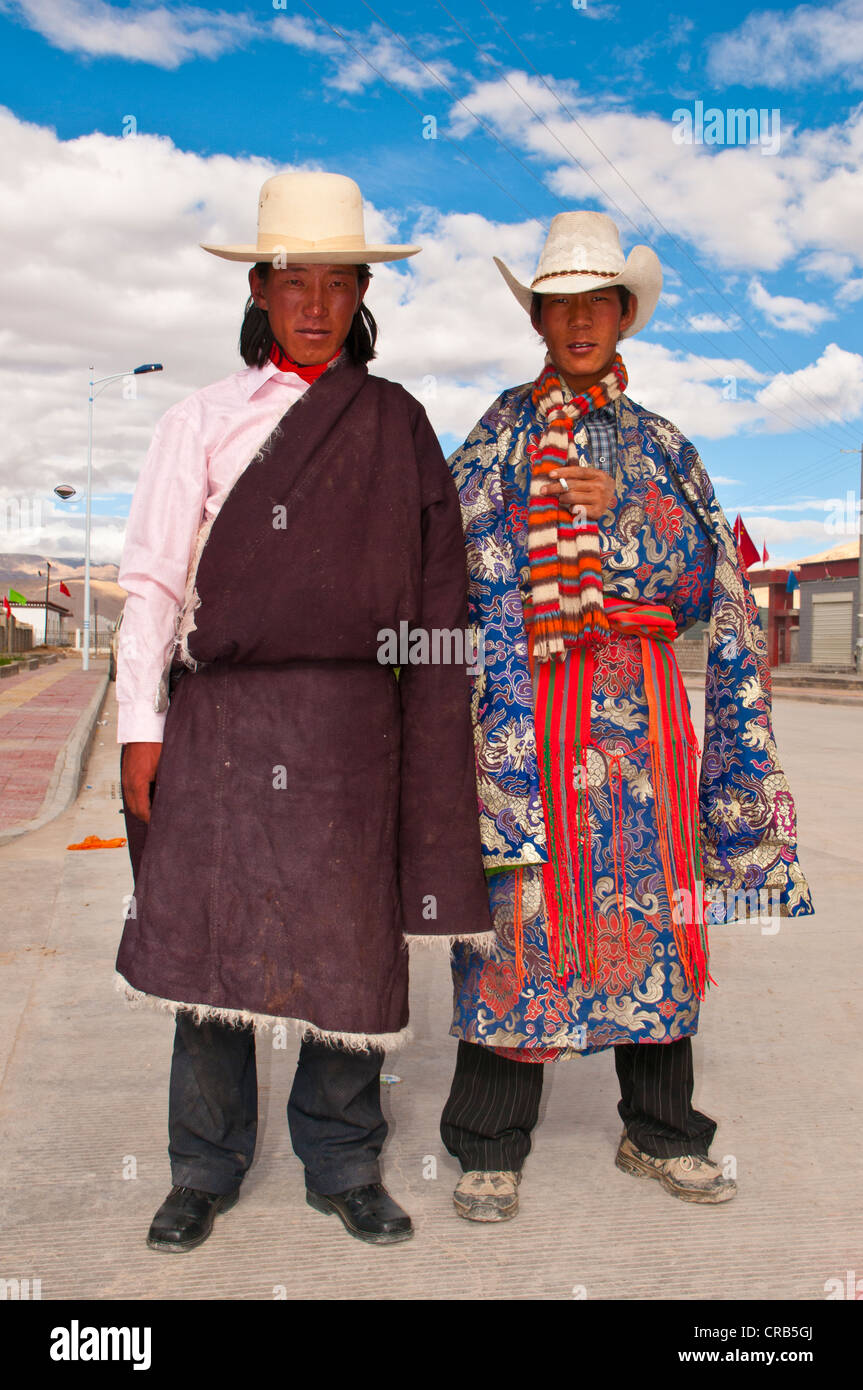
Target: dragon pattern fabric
[[665, 541]]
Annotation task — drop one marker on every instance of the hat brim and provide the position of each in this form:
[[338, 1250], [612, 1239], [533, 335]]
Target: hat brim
[[367, 255], [642, 275]]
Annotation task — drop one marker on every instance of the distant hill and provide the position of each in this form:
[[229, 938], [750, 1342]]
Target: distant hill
[[21, 572]]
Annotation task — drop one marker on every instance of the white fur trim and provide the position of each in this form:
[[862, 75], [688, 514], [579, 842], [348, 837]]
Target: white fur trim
[[351, 1042], [482, 942]]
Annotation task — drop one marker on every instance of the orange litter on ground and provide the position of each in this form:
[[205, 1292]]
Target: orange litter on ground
[[93, 842]]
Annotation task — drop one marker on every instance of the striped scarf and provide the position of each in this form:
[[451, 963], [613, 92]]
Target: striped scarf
[[566, 607]]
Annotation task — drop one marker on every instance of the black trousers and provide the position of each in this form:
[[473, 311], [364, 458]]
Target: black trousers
[[494, 1104], [334, 1111]]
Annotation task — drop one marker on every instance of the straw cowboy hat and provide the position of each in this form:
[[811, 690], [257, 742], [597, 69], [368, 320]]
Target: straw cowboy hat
[[314, 218], [582, 252]]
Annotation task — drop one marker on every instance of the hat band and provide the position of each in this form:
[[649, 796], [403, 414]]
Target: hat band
[[273, 241], [555, 274]]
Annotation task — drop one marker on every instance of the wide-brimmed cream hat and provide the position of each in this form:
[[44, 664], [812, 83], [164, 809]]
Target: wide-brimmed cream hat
[[314, 218], [582, 252]]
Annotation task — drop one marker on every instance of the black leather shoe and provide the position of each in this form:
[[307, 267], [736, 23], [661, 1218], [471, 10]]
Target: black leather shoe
[[185, 1218], [369, 1213]]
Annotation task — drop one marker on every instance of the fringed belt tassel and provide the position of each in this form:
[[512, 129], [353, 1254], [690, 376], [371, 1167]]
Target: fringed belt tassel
[[563, 701]]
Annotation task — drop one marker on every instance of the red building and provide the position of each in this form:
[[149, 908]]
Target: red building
[[779, 609]]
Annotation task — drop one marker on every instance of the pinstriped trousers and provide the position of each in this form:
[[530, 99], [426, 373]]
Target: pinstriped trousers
[[494, 1104]]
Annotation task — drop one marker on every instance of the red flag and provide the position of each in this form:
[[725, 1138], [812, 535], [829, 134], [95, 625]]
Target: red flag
[[6, 606], [64, 590], [765, 557], [745, 544]]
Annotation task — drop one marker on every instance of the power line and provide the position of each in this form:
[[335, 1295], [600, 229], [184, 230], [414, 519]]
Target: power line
[[797, 475], [814, 398], [462, 154], [788, 422], [489, 130]]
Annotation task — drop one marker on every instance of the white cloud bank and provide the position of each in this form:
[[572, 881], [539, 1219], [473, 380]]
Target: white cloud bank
[[791, 48], [165, 36], [99, 263], [784, 312], [806, 200]]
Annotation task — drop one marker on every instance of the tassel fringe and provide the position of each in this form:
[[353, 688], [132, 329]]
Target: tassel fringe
[[481, 942], [672, 748], [239, 1018]]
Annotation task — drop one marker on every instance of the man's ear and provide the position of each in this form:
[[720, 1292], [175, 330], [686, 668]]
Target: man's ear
[[627, 319], [256, 289]]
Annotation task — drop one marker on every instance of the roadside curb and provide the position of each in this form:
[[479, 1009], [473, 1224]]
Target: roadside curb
[[813, 696], [65, 780], [28, 663]]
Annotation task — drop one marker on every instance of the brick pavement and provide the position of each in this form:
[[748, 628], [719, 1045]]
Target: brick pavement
[[38, 713]]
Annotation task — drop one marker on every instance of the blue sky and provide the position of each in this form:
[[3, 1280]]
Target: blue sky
[[131, 132]]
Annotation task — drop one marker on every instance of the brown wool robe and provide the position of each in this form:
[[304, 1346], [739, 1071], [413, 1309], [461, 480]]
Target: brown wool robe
[[310, 809]]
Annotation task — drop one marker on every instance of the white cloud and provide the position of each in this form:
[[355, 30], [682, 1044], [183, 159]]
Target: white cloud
[[782, 48], [805, 200], [164, 36], [783, 311], [115, 277], [382, 55], [169, 35], [835, 380], [703, 396], [712, 323], [775, 531], [805, 504], [851, 291], [605, 10], [827, 265]]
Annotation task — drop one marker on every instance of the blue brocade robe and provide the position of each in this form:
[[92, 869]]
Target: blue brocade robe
[[666, 541]]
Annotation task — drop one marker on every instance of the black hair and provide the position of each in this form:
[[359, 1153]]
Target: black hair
[[256, 338], [536, 299]]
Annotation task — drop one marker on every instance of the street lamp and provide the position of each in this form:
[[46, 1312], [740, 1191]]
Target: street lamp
[[101, 382]]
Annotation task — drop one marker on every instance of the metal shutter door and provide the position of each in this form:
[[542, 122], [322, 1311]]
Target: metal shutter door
[[832, 625]]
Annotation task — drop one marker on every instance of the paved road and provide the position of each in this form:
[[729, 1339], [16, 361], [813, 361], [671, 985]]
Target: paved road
[[83, 1094]]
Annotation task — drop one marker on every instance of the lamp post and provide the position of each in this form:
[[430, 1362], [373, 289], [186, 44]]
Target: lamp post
[[101, 382], [47, 587]]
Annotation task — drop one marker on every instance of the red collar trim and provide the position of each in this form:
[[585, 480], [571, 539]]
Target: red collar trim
[[280, 358]]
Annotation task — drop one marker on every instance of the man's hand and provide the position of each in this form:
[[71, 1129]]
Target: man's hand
[[588, 488], [140, 761]]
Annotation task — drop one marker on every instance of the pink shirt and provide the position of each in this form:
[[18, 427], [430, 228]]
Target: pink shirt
[[200, 448]]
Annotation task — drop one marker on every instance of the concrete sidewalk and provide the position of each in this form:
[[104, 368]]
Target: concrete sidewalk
[[778, 1063], [46, 722]]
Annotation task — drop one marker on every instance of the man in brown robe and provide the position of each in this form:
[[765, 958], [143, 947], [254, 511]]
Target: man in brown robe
[[308, 807]]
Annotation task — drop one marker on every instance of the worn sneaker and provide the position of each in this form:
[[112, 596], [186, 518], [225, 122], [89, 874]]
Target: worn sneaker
[[690, 1177], [487, 1195]]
